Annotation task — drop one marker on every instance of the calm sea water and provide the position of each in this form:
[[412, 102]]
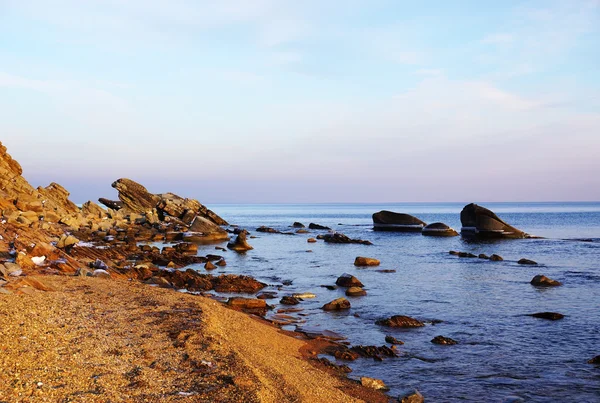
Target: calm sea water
[[502, 355]]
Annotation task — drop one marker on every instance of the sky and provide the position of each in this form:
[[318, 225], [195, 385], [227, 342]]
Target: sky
[[259, 101]]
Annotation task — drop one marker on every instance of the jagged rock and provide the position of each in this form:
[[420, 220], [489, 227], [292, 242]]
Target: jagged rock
[[317, 226], [111, 204], [446, 341], [390, 221], [542, 281], [134, 196], [373, 383], [348, 280], [439, 229], [240, 244], [337, 305], [366, 261], [90, 208], [67, 241], [548, 315], [341, 238], [479, 222], [526, 262], [355, 292], [400, 321]]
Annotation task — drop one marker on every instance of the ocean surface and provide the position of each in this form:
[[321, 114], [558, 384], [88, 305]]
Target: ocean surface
[[503, 355]]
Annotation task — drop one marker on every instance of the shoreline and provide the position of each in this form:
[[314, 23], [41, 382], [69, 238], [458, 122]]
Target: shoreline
[[96, 339]]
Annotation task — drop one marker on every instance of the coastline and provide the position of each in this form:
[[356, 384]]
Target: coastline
[[92, 339]]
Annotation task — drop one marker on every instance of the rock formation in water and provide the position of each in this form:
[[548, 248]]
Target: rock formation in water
[[390, 221], [479, 222], [439, 229]]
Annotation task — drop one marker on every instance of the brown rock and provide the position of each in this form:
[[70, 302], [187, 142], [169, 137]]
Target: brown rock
[[67, 241], [287, 300], [348, 280], [311, 240], [479, 222], [414, 397], [337, 305], [355, 292], [439, 229], [240, 244], [393, 340], [209, 266], [373, 383], [496, 258], [446, 341], [400, 321], [366, 261], [526, 262], [542, 281]]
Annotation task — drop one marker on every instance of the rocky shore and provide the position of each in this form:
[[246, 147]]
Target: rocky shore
[[91, 314]]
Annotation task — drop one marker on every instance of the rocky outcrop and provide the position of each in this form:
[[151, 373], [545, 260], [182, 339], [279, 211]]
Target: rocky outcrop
[[240, 244], [439, 229], [111, 204], [207, 229], [390, 221], [479, 222], [400, 321]]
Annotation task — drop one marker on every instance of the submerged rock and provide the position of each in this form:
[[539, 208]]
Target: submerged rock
[[548, 315], [483, 256], [439, 229], [297, 225], [390, 221], [348, 280], [595, 360], [341, 238], [355, 292], [269, 230], [496, 258], [526, 261], [412, 397], [393, 340], [366, 261], [479, 222], [446, 341], [337, 305], [542, 281], [400, 321], [317, 226]]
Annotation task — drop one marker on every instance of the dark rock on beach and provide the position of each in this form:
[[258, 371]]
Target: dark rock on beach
[[479, 222], [390, 221], [348, 280], [439, 229], [527, 262], [542, 281], [548, 315], [400, 321], [446, 341]]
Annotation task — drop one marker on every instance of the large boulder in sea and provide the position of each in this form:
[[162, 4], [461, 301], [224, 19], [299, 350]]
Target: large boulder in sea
[[240, 244], [390, 221], [439, 229], [479, 222]]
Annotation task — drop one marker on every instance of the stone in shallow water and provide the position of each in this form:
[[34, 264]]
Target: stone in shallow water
[[337, 305], [348, 280], [317, 226], [526, 261], [390, 221], [548, 315], [366, 261], [446, 341], [496, 258], [439, 229], [411, 397], [479, 222], [542, 281], [393, 340], [595, 360], [287, 300], [400, 321], [355, 292]]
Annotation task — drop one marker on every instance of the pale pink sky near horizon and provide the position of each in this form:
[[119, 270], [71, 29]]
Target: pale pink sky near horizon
[[261, 101]]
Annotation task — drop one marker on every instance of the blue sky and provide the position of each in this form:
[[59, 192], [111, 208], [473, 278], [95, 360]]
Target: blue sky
[[306, 101]]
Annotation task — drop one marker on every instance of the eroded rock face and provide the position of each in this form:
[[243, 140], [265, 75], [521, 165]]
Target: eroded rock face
[[390, 221], [400, 321], [479, 222]]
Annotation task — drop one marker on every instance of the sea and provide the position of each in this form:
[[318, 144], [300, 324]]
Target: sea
[[502, 355]]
